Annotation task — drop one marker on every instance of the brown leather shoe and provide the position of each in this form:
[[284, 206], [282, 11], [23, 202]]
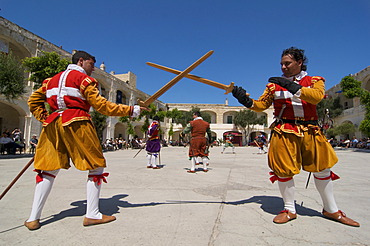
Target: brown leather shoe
[[32, 225], [156, 167], [284, 216], [205, 170], [104, 219], [340, 217], [190, 171]]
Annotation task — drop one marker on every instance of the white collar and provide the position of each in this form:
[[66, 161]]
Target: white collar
[[198, 118], [76, 67], [297, 77]]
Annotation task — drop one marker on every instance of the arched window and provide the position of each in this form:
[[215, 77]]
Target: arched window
[[119, 97]]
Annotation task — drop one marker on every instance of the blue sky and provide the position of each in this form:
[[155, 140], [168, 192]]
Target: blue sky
[[247, 38]]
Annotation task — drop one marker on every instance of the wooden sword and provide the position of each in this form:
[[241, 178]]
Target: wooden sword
[[172, 82], [227, 88]]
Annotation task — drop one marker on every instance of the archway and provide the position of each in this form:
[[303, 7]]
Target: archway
[[11, 117], [120, 130], [236, 139]]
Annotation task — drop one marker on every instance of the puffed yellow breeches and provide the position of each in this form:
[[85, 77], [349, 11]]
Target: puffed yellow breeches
[[288, 153], [77, 141]]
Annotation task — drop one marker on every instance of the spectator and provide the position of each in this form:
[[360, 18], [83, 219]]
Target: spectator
[[17, 135], [120, 143], [125, 144], [135, 143], [7, 132], [33, 143], [347, 143], [9, 145], [354, 142]]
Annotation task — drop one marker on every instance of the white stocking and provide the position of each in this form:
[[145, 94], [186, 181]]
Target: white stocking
[[287, 190], [93, 193], [205, 161], [325, 188], [149, 157], [42, 191], [154, 160], [193, 163]]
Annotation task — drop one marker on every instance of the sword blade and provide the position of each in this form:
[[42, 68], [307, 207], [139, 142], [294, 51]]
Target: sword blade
[[308, 179], [227, 88], [175, 80], [139, 151], [17, 177]]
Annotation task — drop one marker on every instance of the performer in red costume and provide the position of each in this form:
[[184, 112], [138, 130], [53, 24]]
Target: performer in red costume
[[68, 133], [153, 145], [297, 142], [198, 143]]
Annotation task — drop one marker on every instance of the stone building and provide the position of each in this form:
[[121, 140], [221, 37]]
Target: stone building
[[354, 111], [120, 88]]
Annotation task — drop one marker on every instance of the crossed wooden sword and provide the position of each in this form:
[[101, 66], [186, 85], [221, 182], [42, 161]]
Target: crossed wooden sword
[[161, 91], [182, 74]]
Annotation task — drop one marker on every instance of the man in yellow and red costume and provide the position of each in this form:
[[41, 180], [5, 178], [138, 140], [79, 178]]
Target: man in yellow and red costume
[[68, 134], [297, 142]]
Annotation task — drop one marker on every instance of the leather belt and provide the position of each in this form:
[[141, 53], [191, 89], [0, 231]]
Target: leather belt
[[301, 122], [62, 109]]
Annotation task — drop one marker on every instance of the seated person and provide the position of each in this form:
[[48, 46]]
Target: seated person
[[9, 145], [33, 143]]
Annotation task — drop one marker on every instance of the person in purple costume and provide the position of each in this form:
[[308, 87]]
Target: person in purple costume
[[153, 144]]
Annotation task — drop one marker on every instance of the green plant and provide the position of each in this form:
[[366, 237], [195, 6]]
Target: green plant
[[12, 79]]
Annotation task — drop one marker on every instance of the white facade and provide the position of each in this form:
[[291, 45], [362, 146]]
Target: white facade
[[222, 117], [354, 111]]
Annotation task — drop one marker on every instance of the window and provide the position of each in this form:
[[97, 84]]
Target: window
[[229, 119], [119, 97]]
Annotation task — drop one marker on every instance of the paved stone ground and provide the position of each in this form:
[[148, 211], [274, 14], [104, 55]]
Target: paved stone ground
[[233, 204]]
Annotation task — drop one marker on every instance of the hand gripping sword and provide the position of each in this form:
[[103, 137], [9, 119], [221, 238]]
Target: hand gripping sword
[[172, 82]]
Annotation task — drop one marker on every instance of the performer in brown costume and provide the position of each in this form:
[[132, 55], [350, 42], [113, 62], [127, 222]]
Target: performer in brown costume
[[198, 143], [297, 142], [68, 133]]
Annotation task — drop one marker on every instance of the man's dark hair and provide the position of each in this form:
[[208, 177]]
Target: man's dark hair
[[82, 54], [156, 118], [297, 54], [197, 113]]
